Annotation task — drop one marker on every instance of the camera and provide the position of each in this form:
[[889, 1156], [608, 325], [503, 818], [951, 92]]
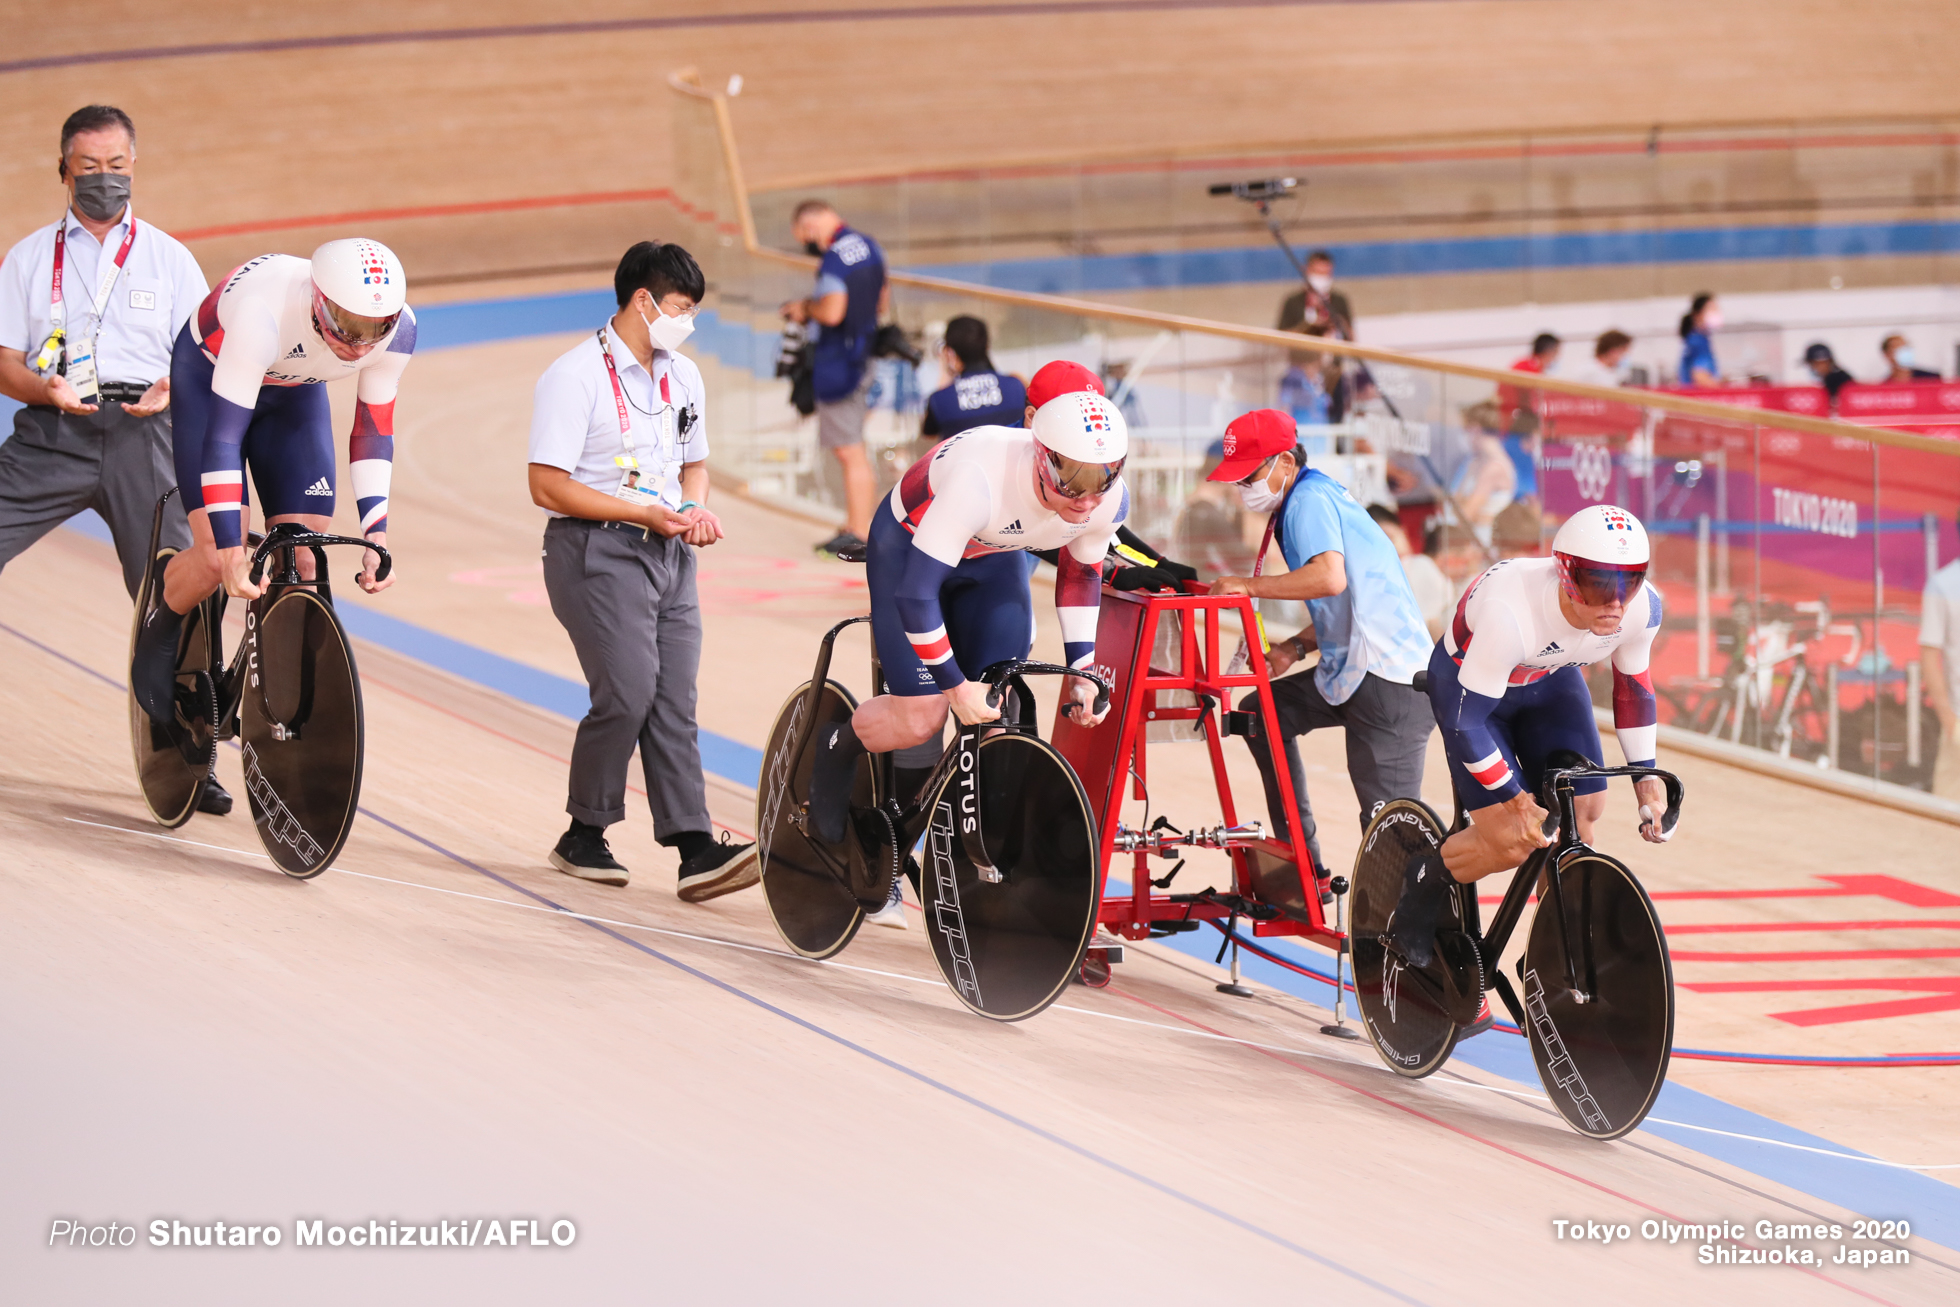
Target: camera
[[1270, 188]]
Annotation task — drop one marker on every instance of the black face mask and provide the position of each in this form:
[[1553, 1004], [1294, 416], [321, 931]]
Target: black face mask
[[101, 195], [813, 249]]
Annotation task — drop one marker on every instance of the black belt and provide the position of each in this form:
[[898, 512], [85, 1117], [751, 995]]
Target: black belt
[[630, 528], [123, 392]]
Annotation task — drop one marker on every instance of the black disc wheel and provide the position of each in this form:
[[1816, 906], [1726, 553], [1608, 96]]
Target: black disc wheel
[[300, 731], [1010, 946], [173, 760], [1598, 996], [1408, 1014], [815, 910]]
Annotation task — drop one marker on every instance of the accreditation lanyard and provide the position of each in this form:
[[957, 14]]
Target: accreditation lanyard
[[57, 311], [628, 462]]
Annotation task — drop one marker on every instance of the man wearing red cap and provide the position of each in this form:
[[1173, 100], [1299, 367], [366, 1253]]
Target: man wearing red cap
[[1365, 622]]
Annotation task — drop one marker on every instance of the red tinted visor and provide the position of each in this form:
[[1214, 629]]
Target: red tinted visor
[[1071, 478], [350, 328], [1597, 584]]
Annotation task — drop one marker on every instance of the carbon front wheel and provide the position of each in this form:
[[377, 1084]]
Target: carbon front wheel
[[815, 912], [1599, 996], [1408, 1020], [301, 731], [1010, 946], [173, 760]]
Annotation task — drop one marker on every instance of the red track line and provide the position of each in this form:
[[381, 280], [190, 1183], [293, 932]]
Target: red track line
[[1459, 1130], [1760, 927], [578, 200], [1822, 955]]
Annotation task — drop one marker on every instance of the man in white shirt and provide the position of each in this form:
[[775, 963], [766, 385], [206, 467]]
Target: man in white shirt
[[1939, 657], [88, 352], [89, 309], [619, 461]]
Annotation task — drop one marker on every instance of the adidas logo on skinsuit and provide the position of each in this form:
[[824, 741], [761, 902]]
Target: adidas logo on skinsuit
[[320, 487], [297, 352], [1550, 649], [1012, 528]]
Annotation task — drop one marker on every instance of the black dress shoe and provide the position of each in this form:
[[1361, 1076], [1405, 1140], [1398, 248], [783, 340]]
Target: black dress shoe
[[722, 869], [214, 798], [153, 665], [583, 852]]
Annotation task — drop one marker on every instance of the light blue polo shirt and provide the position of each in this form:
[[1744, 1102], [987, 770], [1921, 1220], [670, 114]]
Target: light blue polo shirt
[[1375, 624]]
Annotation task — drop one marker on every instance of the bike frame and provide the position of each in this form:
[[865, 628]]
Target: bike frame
[[284, 540], [1558, 797], [959, 760]]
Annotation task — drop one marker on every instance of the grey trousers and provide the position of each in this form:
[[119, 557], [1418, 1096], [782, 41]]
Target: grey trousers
[[57, 464], [629, 606], [1388, 729]]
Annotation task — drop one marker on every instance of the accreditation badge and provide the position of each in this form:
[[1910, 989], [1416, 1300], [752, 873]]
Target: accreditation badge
[[81, 369]]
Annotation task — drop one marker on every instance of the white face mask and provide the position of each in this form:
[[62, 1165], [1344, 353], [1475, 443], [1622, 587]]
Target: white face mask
[[1260, 497], [1711, 320], [1320, 281], [668, 332], [1904, 357]]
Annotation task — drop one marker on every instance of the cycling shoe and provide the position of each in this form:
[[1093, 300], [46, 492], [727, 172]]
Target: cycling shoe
[[153, 666]]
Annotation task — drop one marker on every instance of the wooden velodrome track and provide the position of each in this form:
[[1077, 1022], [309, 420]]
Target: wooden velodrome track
[[419, 1036]]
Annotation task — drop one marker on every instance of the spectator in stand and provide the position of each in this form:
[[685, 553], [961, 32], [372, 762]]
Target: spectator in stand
[[1433, 591], [1901, 365], [976, 395], [1520, 410], [1824, 366], [1609, 360], [1939, 658], [1317, 303], [1518, 531], [1487, 479], [850, 296], [1702, 320]]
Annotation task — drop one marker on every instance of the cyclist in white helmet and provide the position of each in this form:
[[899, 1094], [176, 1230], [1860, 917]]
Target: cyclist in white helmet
[[1509, 693], [949, 587], [244, 385]]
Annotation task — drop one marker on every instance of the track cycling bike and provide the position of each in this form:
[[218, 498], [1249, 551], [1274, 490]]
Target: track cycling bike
[[290, 696], [1011, 878], [1595, 993]]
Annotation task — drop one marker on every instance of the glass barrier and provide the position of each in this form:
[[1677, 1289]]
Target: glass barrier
[[1792, 562]]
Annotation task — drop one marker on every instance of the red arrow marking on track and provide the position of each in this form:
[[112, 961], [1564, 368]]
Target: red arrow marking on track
[[1759, 927], [1881, 887], [1942, 994]]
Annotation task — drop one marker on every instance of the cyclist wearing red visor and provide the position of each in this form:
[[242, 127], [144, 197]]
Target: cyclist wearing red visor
[[1509, 692]]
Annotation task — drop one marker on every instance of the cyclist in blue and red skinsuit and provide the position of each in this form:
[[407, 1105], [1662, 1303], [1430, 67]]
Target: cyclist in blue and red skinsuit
[[245, 384], [1506, 685]]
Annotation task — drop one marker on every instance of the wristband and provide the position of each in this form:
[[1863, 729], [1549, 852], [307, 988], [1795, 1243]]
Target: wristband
[[1299, 648], [687, 504]]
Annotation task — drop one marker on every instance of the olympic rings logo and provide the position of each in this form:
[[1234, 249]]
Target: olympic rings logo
[[1592, 469]]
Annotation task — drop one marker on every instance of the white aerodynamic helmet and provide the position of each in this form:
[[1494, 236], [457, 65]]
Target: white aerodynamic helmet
[[1080, 443], [1602, 555], [358, 289]]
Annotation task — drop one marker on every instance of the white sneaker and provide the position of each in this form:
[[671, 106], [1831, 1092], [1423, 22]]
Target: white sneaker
[[893, 913]]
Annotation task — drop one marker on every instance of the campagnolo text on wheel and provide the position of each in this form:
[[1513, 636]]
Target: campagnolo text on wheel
[[1593, 989]]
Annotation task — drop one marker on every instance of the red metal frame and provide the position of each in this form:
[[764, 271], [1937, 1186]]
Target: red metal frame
[[1268, 871]]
